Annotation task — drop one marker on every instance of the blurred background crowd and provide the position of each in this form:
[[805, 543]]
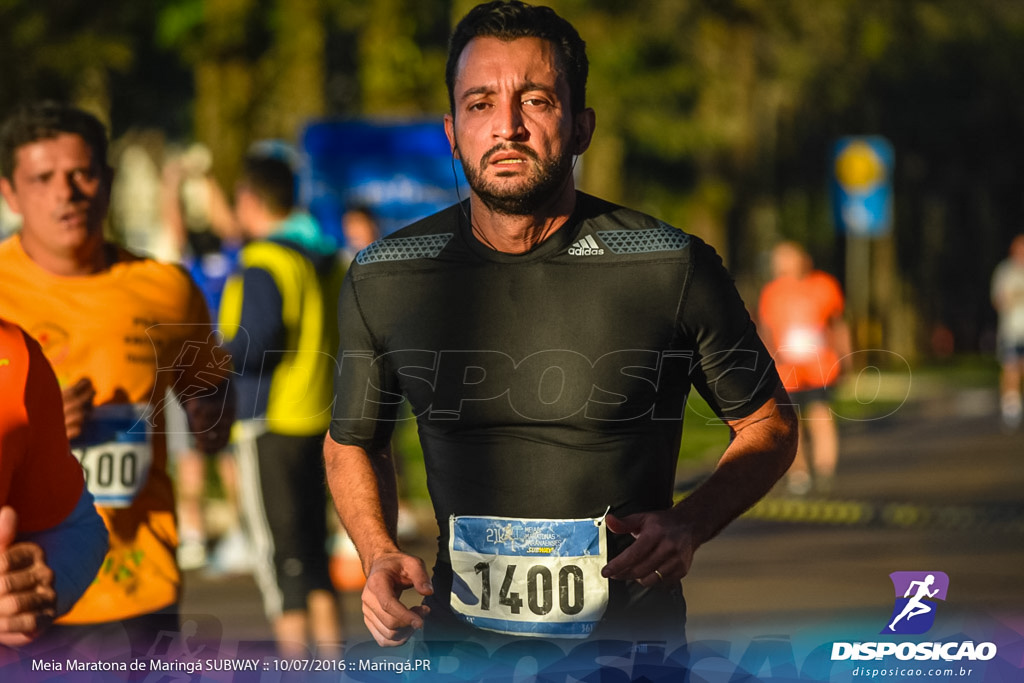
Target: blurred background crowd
[[719, 116]]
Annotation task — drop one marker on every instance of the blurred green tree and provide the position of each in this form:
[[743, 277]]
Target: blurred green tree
[[259, 69], [63, 50], [717, 115], [401, 49]]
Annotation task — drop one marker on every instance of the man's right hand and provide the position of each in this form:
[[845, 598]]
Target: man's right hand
[[27, 597], [390, 622], [77, 406]]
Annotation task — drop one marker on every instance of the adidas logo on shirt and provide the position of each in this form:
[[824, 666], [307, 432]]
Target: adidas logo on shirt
[[587, 246]]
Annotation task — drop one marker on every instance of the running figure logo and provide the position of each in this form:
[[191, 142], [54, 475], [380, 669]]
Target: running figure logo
[[914, 612]]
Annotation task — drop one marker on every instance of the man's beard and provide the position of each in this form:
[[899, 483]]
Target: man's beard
[[528, 196]]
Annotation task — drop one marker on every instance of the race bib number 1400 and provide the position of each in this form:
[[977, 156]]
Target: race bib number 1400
[[539, 577]]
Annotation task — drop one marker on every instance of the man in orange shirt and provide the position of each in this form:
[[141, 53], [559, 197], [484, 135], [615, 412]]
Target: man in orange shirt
[[800, 316], [51, 539], [119, 331]]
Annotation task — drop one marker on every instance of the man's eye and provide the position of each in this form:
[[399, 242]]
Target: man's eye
[[477, 106]]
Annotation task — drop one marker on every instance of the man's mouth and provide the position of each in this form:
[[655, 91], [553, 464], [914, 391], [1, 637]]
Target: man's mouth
[[75, 218], [508, 156]]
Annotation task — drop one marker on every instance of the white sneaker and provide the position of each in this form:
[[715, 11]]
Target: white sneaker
[[191, 555], [232, 555], [798, 483]]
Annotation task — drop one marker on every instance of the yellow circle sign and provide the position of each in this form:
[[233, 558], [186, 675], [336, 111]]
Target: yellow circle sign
[[859, 168]]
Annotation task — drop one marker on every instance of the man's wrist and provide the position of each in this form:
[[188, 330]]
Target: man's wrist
[[379, 552], [700, 525]]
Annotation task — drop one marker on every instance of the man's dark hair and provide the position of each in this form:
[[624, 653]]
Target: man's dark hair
[[44, 121], [272, 180], [511, 20]]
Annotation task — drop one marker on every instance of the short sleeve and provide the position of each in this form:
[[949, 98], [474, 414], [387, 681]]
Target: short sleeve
[[366, 393], [732, 370], [836, 301]]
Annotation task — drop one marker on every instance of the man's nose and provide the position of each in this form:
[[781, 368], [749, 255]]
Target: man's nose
[[508, 120], [64, 186]]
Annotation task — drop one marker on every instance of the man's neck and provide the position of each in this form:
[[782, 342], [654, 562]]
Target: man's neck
[[89, 260], [266, 224], [519, 234]]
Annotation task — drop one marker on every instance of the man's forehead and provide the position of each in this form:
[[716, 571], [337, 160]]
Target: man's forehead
[[486, 60], [46, 146]]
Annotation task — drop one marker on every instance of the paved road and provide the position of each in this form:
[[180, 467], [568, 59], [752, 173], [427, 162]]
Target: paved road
[[930, 489], [937, 486]]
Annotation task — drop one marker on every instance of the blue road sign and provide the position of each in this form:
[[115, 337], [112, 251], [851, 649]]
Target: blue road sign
[[861, 185]]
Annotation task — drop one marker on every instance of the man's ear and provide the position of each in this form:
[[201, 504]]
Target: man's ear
[[449, 131], [7, 189], [583, 130]]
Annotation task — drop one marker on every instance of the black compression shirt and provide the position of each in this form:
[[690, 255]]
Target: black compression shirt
[[549, 384]]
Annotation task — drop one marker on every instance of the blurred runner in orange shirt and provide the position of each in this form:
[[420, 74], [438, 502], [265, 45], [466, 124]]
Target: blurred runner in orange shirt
[[800, 317], [119, 331], [51, 539]]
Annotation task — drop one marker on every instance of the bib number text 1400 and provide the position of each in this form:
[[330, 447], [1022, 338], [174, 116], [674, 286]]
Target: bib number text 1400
[[539, 589]]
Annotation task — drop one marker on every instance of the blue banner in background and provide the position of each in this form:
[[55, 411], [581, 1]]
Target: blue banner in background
[[861, 185], [402, 171]]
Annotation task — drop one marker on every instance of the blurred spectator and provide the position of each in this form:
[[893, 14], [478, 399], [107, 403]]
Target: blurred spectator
[[135, 206], [279, 322], [801, 321], [360, 228], [1008, 299], [231, 554], [195, 209], [207, 240]]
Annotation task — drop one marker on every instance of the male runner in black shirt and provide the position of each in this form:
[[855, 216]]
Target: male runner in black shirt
[[546, 341]]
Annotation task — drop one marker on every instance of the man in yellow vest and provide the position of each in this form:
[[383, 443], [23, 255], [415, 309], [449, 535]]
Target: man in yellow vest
[[277, 316]]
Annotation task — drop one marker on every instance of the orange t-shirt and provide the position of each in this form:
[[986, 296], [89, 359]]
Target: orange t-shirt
[[39, 477], [796, 315], [134, 329]]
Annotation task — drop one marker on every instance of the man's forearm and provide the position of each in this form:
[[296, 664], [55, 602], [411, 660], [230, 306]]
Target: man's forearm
[[365, 494], [74, 550], [760, 453]]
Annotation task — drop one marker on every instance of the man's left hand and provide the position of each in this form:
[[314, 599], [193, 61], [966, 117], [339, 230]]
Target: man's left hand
[[210, 418], [660, 555]]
